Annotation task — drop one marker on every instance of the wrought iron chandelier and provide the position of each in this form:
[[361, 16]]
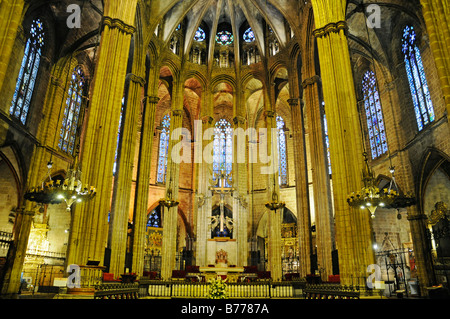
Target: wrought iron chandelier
[[275, 204], [69, 190], [371, 197], [169, 201]]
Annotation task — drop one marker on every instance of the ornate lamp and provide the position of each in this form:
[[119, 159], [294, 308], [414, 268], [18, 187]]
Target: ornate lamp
[[275, 204], [70, 190], [169, 201], [371, 197]]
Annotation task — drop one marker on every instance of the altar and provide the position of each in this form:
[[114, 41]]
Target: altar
[[231, 273]]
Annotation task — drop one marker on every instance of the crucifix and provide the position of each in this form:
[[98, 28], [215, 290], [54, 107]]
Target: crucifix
[[221, 188]]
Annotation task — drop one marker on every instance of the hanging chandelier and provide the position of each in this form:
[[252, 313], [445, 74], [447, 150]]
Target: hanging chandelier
[[70, 190], [371, 197], [275, 204], [169, 201]]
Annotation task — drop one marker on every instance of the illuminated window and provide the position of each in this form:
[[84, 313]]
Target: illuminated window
[[200, 35], [327, 141], [282, 157], [28, 72], [72, 111], [118, 136], [223, 148], [154, 218], [224, 38], [374, 115], [163, 149], [249, 36], [415, 71]]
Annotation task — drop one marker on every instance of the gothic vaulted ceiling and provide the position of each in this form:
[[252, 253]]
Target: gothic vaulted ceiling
[[214, 15]]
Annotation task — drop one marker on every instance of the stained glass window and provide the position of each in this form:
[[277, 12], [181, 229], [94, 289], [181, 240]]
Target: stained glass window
[[374, 115], [327, 141], [224, 38], [282, 157], [249, 36], [154, 218], [163, 149], [72, 111], [200, 35], [28, 72], [415, 71], [223, 148], [118, 136]]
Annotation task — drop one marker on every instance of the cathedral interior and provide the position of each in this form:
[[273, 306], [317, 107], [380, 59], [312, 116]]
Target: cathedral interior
[[154, 143]]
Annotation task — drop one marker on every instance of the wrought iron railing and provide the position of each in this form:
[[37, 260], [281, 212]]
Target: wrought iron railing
[[331, 291], [117, 291]]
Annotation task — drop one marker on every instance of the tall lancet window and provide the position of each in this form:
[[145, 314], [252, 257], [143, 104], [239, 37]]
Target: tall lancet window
[[282, 157], [163, 149], [327, 141], [374, 115], [28, 72], [415, 71], [223, 148], [69, 125], [119, 131]]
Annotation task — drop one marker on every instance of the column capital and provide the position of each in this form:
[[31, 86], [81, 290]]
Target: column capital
[[177, 113], [311, 81], [151, 99], [136, 79], [293, 101], [239, 120], [334, 27], [207, 119], [119, 24], [270, 114]]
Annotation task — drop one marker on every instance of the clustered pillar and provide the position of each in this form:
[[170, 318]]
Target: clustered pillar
[[353, 227]]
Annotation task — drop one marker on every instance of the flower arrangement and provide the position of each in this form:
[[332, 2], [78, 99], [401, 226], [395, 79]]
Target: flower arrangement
[[217, 288]]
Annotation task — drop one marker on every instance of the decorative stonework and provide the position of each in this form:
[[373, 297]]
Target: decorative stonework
[[331, 28], [119, 24]]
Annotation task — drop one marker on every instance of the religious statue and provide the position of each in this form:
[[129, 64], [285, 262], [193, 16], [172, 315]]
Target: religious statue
[[221, 257]]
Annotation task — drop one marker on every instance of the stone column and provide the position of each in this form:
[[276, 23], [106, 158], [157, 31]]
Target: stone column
[[302, 189], [320, 176], [11, 12], [275, 217], [38, 170], [422, 249], [169, 241], [437, 19], [240, 212], [353, 228], [142, 184], [120, 205], [204, 201], [98, 151]]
